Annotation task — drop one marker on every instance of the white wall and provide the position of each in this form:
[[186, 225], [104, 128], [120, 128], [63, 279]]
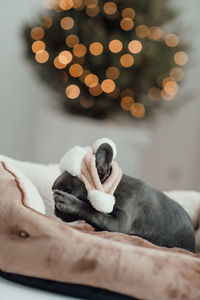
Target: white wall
[[164, 152]]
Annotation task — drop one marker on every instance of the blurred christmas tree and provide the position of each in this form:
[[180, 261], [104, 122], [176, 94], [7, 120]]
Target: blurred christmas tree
[[105, 56]]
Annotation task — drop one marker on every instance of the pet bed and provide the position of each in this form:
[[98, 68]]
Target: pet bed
[[38, 249]]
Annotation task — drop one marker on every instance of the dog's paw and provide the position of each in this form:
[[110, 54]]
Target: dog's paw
[[65, 202]]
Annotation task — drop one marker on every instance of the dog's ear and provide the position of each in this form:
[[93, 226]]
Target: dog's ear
[[104, 157]]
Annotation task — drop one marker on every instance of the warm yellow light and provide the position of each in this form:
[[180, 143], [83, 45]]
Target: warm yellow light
[[115, 46], [176, 73], [91, 80], [65, 4], [128, 13], [153, 94], [65, 57], [42, 56], [138, 110], [92, 10], [46, 21], [127, 92], [84, 74], [180, 58], [114, 94], [126, 24], [171, 40], [112, 73], [76, 70], [108, 85], [165, 80], [96, 48], [126, 60], [171, 88], [79, 50], [91, 2], [110, 8], [37, 46], [135, 46], [72, 40], [67, 23], [155, 33], [78, 4], [96, 91], [58, 64], [166, 97], [142, 31], [37, 33], [72, 91], [127, 102]]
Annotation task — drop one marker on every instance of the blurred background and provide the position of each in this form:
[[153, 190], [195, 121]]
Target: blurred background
[[156, 129]]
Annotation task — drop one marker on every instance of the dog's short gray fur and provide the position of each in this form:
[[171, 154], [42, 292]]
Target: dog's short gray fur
[[139, 209]]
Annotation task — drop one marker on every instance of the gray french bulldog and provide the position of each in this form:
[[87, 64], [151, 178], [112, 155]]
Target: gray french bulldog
[[139, 209]]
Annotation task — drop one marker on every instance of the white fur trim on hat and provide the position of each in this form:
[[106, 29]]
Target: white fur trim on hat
[[71, 161], [99, 142], [101, 201]]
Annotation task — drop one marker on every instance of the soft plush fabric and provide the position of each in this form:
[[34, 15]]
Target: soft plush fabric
[[81, 162], [37, 245]]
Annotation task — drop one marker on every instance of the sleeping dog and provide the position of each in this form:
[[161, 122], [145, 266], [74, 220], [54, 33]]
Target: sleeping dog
[[139, 209]]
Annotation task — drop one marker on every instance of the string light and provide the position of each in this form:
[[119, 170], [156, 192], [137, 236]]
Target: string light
[[65, 57], [42, 56], [180, 58], [37, 33], [153, 94], [135, 46], [126, 24], [126, 60], [112, 73], [137, 110], [142, 31], [171, 40], [108, 85], [128, 13], [176, 73], [72, 91], [72, 40], [79, 50], [115, 46], [96, 48], [75, 70], [67, 23], [37, 46], [110, 8], [66, 4], [91, 80]]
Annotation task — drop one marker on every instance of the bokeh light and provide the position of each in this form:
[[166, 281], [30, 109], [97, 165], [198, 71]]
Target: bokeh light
[[135, 46], [180, 58], [58, 64], [66, 4], [42, 56], [137, 110], [91, 80], [153, 94], [108, 85], [115, 94], [176, 73], [78, 4], [171, 88], [46, 21], [96, 48], [112, 73], [79, 50], [155, 33], [142, 31], [128, 13], [115, 46], [75, 70], [37, 46], [127, 92], [83, 75], [91, 2], [92, 10], [37, 33], [96, 91], [126, 60], [166, 97], [110, 8], [126, 24], [126, 102], [67, 23], [72, 91], [65, 57], [72, 40], [171, 40]]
